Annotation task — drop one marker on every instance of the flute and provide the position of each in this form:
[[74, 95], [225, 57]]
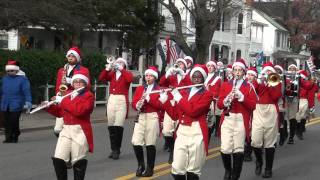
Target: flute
[[170, 89]]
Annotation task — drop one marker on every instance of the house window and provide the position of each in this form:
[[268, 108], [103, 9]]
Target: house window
[[240, 23], [238, 54], [4, 41], [278, 39]]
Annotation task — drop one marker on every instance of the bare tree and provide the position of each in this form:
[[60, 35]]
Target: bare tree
[[206, 15]]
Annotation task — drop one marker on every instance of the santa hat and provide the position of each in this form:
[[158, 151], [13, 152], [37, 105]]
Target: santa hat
[[229, 67], [183, 61], [268, 66], [199, 67], [212, 62], [303, 74], [75, 51], [188, 58], [123, 61], [219, 63], [152, 71], [12, 65], [241, 63], [293, 65], [80, 75], [253, 71], [279, 67]]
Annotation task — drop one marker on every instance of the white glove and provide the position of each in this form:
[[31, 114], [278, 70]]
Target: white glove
[[226, 101], [108, 67], [169, 72], [58, 99], [68, 80], [139, 105], [239, 95], [163, 97], [295, 82], [147, 98], [176, 95]]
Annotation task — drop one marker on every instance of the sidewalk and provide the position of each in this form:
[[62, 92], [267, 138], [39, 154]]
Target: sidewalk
[[43, 120]]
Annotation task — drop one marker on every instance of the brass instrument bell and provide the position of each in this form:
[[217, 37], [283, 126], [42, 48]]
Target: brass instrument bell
[[273, 79]]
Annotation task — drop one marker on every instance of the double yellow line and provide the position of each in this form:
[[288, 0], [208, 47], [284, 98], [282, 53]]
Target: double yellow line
[[165, 168]]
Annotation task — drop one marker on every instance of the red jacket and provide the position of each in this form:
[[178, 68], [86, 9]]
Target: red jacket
[[76, 112], [269, 95], [245, 108], [120, 86], [154, 105], [195, 109], [76, 69], [172, 81], [305, 87], [214, 87], [311, 94]]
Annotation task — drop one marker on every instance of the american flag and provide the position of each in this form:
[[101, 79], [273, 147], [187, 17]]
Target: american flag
[[170, 54]]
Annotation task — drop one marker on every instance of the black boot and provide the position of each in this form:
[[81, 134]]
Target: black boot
[[79, 169], [269, 162], [60, 168], [226, 159], [303, 121], [112, 136], [237, 165], [151, 157], [217, 125], [293, 124], [118, 142], [179, 177], [138, 151], [299, 131], [165, 146], [171, 148], [192, 176], [283, 133], [247, 152], [259, 161]]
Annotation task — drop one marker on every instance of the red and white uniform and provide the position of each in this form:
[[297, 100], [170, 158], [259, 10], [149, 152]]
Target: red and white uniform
[[172, 81], [191, 142], [146, 130], [235, 127], [305, 87], [265, 116], [76, 137], [118, 102], [311, 95]]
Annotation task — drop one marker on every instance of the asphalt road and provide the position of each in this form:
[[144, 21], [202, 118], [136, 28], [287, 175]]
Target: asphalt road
[[30, 158]]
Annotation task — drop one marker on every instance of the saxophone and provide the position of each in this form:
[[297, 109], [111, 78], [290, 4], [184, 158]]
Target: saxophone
[[64, 85]]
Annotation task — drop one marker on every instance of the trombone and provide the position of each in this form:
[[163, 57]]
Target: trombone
[[273, 79]]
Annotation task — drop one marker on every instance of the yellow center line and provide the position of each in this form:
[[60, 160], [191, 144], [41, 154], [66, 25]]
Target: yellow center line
[[167, 167]]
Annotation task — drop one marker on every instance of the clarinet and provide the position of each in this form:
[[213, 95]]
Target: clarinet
[[229, 102], [143, 97]]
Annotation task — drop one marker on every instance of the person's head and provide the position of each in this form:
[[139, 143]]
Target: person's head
[[122, 62], [292, 68], [279, 69], [189, 61], [304, 74], [212, 66], [74, 56], [251, 74], [151, 75], [238, 69], [268, 68], [182, 64], [79, 80], [198, 74], [12, 67], [219, 65]]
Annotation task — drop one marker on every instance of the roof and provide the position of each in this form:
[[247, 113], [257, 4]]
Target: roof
[[271, 20], [276, 10], [286, 54]]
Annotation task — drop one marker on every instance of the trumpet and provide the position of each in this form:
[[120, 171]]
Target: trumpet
[[112, 62]]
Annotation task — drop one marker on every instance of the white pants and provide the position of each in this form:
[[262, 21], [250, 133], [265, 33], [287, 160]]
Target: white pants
[[189, 154], [72, 143], [59, 125], [116, 110], [291, 109], [264, 126], [146, 130], [169, 125], [303, 110], [233, 134]]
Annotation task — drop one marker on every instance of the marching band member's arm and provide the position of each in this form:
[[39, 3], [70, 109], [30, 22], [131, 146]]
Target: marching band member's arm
[[250, 100], [222, 96], [79, 109], [275, 92], [154, 101], [171, 109], [306, 84], [215, 89], [54, 110], [127, 75], [59, 78], [137, 96], [164, 81], [195, 109], [105, 75]]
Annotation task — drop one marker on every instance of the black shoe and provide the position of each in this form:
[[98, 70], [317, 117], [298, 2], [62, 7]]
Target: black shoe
[[192, 176], [290, 141], [60, 168], [267, 174], [269, 162], [226, 159], [148, 172], [171, 148], [140, 170], [300, 131], [79, 169], [138, 151], [112, 136], [69, 165], [247, 153], [151, 157], [110, 155], [259, 161], [178, 177], [170, 160], [116, 155]]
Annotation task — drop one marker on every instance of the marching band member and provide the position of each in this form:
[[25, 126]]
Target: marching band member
[[118, 103], [14, 94], [237, 101], [64, 76], [301, 116], [174, 77], [251, 77], [283, 128], [76, 138], [229, 73], [213, 83], [311, 97], [265, 122], [146, 129], [291, 102], [190, 110]]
